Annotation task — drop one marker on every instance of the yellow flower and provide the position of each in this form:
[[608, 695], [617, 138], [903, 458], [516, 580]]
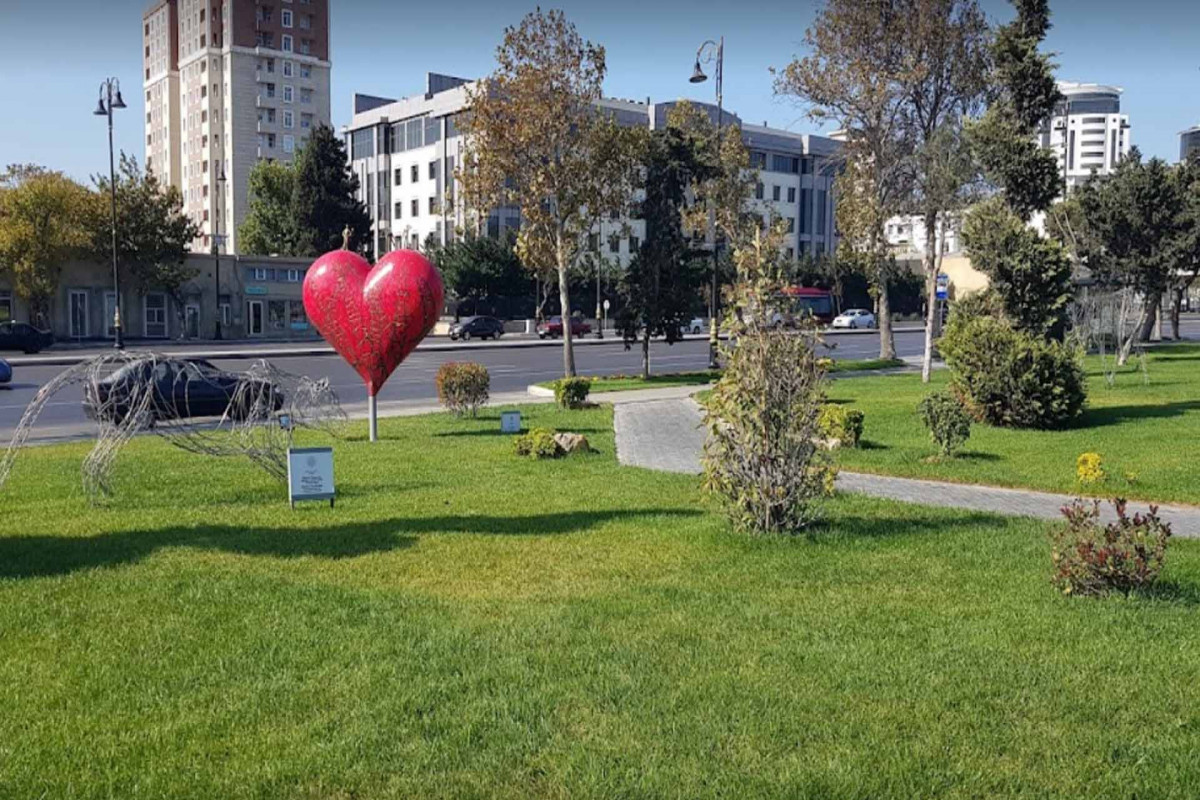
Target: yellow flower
[[1089, 468]]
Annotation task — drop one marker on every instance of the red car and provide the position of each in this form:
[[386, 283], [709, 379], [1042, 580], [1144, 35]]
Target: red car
[[553, 328]]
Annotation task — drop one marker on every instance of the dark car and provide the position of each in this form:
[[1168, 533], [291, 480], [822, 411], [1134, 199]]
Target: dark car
[[478, 328], [553, 328], [23, 336], [5, 373], [181, 388]]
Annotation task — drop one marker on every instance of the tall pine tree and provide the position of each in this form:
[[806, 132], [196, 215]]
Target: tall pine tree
[[324, 198]]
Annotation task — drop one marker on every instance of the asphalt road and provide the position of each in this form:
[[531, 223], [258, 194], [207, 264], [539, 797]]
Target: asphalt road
[[512, 369]]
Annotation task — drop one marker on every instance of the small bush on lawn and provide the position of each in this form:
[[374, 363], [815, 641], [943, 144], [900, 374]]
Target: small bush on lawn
[[538, 443], [462, 387], [572, 392], [1089, 469], [845, 425], [1094, 559], [1008, 377], [948, 423]]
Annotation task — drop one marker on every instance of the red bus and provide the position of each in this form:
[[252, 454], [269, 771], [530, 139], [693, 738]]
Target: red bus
[[817, 303]]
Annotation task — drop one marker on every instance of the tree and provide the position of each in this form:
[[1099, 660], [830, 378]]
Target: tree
[[944, 45], [269, 227], [660, 288], [1033, 274], [1187, 246], [1136, 224], [153, 234], [856, 76], [475, 268], [324, 197], [45, 220], [533, 134]]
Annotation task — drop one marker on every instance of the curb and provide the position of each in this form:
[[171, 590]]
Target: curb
[[539, 391]]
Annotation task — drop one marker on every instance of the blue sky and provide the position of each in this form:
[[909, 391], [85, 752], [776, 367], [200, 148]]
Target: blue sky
[[54, 54]]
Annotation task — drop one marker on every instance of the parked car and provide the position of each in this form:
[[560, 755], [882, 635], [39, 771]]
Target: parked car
[[553, 328], [182, 388], [23, 336], [5, 373], [696, 326], [854, 318], [477, 327]]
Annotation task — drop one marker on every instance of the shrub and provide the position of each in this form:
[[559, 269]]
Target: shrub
[[947, 421], [1011, 378], [845, 425], [762, 459], [1089, 468], [462, 387], [538, 443], [1091, 559], [572, 392]]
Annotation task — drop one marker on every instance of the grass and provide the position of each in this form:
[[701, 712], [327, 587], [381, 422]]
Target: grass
[[622, 383], [1139, 430], [469, 624]]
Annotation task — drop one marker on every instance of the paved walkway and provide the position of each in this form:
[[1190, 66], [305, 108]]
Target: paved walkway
[[666, 435]]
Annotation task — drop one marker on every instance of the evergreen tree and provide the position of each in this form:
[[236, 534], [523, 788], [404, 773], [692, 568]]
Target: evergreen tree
[[269, 228], [324, 199]]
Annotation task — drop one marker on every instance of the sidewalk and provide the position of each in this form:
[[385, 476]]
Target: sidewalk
[[666, 435]]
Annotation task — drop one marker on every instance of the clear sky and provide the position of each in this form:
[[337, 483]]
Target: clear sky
[[53, 55]]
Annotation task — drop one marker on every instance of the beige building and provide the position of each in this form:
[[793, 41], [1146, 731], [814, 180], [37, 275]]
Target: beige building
[[229, 83]]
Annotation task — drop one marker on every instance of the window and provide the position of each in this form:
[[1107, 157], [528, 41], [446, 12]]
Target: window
[[791, 224], [293, 276], [634, 244], [758, 160], [775, 193], [433, 205], [614, 244], [289, 143], [305, 21], [202, 15], [415, 207], [362, 143], [791, 194], [306, 121], [264, 13], [285, 18], [155, 315], [288, 121], [398, 175], [758, 191], [398, 210], [270, 90], [806, 210], [287, 43], [416, 173], [287, 93], [288, 67], [821, 201], [433, 170], [306, 97], [593, 242], [415, 133], [806, 166], [791, 253], [305, 71], [784, 163]]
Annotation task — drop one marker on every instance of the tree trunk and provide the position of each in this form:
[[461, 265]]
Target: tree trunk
[[1127, 345], [887, 340], [646, 354], [931, 270], [1176, 308], [564, 297], [1149, 317]]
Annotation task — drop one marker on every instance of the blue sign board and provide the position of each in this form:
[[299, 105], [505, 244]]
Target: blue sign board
[[943, 286], [256, 290]]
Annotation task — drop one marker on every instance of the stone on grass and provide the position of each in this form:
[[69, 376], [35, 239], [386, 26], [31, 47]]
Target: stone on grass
[[573, 443]]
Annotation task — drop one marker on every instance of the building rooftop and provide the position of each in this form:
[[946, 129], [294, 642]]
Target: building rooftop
[[1070, 88]]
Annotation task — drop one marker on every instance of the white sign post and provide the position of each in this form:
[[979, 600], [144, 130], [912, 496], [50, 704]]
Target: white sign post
[[310, 474]]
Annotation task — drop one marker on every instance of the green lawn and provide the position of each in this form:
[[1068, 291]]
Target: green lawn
[[621, 383], [466, 624], [1145, 433]]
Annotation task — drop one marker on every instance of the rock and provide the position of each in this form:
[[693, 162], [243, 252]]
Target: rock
[[572, 443]]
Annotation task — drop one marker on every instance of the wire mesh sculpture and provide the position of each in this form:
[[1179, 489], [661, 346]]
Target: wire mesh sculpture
[[189, 403]]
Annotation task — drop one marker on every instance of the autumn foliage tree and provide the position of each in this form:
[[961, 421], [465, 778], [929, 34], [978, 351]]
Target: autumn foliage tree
[[533, 132]]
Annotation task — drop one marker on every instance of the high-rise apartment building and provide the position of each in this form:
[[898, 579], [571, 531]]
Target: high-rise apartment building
[[404, 153], [1189, 143], [1088, 132], [229, 83]]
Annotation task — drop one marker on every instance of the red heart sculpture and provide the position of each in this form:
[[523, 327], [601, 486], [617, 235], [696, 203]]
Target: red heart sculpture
[[373, 316]]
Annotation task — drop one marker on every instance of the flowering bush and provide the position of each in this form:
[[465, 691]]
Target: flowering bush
[[1122, 556], [462, 387], [845, 425], [1089, 468], [572, 392], [538, 443]]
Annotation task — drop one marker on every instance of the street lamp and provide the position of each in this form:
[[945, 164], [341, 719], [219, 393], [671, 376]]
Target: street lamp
[[708, 53], [216, 247], [110, 98]]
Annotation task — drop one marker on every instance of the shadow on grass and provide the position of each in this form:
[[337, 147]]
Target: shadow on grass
[[42, 556], [846, 526], [976, 455], [1171, 592], [524, 429], [870, 444], [1115, 415]]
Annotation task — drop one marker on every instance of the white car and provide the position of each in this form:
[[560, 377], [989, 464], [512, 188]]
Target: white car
[[696, 326], [854, 318]]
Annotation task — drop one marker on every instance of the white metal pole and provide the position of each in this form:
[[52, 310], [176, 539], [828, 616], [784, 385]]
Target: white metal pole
[[373, 416]]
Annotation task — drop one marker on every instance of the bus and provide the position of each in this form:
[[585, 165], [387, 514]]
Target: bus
[[815, 303]]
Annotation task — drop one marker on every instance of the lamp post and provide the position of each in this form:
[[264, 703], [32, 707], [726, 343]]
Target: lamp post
[[110, 98], [707, 53], [217, 246]]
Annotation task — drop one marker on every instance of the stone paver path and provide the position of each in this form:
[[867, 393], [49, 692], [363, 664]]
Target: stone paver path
[[666, 435]]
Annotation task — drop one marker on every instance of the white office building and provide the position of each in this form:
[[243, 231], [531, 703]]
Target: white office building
[[1189, 142], [404, 153], [1088, 133]]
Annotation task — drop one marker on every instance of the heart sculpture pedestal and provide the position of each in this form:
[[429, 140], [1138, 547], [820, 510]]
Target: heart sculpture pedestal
[[373, 316]]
